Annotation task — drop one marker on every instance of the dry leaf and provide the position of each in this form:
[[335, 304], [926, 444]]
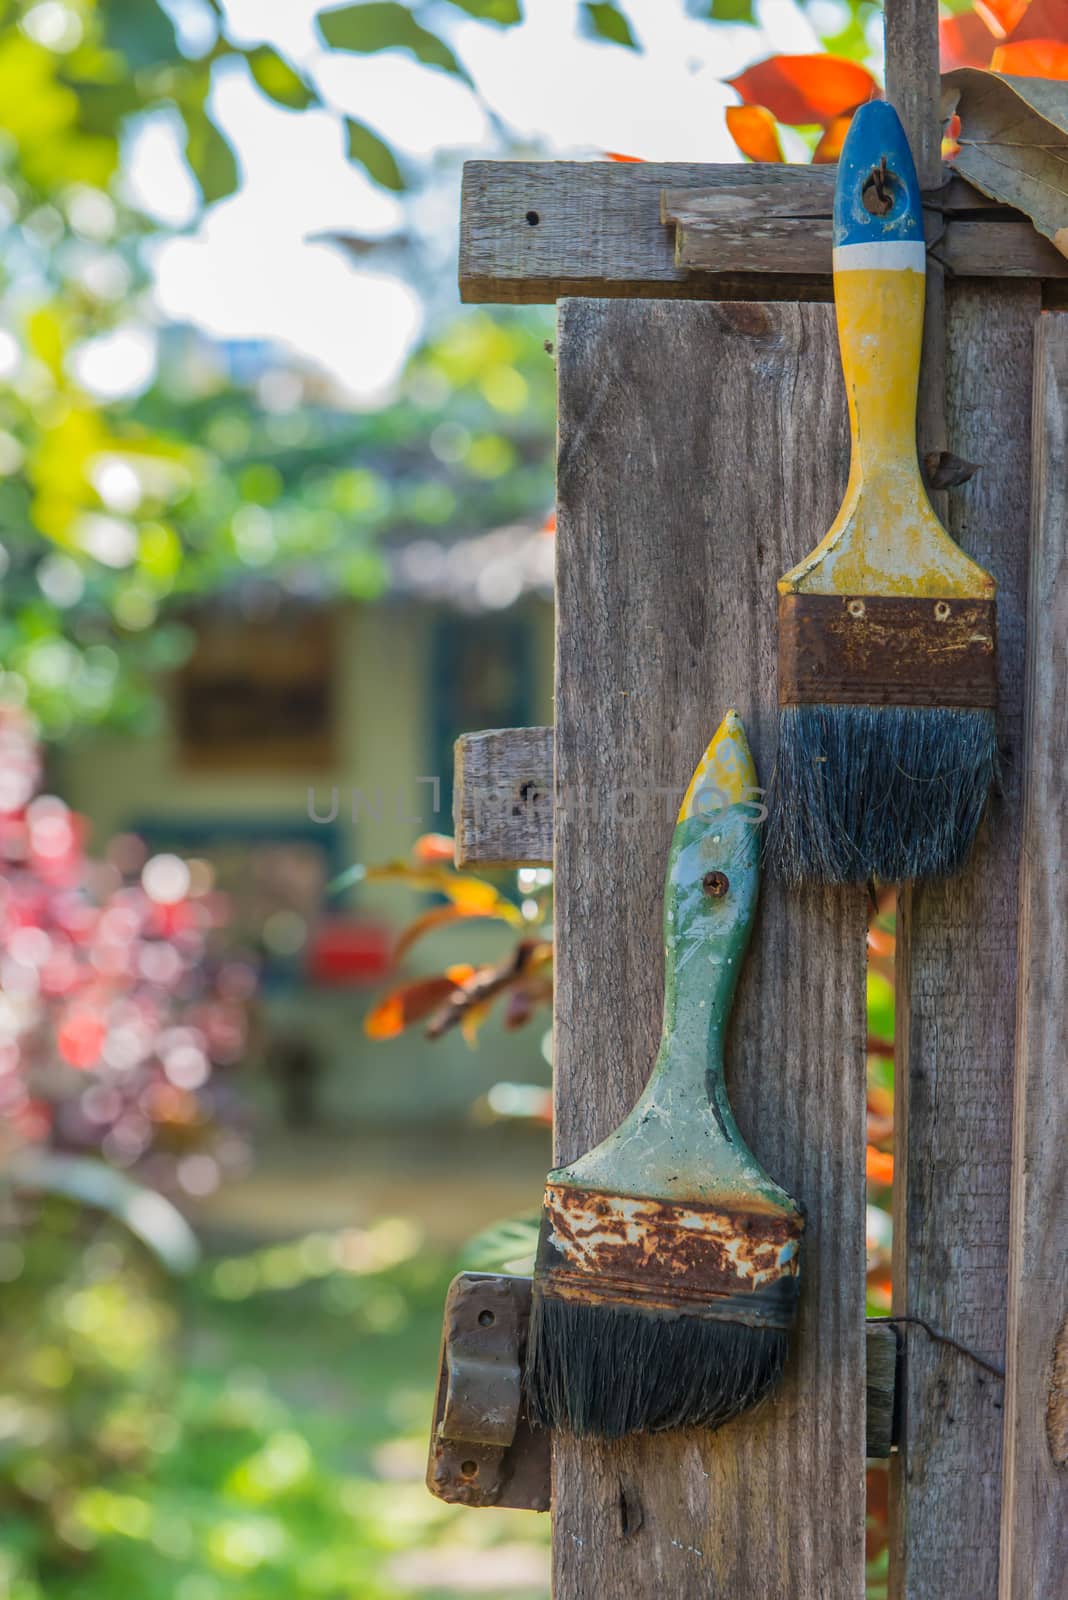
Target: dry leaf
[[1014, 143]]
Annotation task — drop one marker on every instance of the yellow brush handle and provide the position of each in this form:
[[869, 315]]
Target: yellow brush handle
[[886, 539]]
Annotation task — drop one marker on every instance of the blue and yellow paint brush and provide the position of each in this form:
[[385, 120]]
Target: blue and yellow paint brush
[[667, 1271], [887, 632]]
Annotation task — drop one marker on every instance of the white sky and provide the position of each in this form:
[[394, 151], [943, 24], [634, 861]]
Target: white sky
[[249, 269]]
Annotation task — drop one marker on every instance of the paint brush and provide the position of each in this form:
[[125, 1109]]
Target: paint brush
[[887, 630], [667, 1271]]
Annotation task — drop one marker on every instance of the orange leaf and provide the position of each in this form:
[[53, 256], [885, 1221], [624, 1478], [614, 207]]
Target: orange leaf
[[832, 140], [460, 973], [806, 89], [549, 525], [754, 132], [474, 894], [1032, 58], [437, 917], [879, 1166], [406, 1005], [614, 155], [432, 847], [964, 41], [880, 942], [1042, 19], [1001, 16]]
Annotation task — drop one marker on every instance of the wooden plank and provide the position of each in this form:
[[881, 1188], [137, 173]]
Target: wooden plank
[[1034, 1526], [956, 1002], [531, 231], [751, 192], [502, 803], [669, 548], [783, 245], [599, 230], [999, 250], [913, 81]]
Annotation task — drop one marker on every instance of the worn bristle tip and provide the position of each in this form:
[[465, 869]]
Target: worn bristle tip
[[886, 792], [606, 1371]]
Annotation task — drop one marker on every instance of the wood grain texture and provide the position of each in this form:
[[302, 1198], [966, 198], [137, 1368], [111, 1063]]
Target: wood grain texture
[[802, 245], [989, 249], [1034, 1526], [598, 231], [502, 804], [913, 81], [702, 449], [603, 228], [956, 1020]]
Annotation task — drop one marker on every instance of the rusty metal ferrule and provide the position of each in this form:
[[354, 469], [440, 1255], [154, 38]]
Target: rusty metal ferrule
[[884, 651], [703, 1260]]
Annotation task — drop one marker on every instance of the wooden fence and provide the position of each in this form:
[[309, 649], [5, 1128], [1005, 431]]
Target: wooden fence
[[702, 446]]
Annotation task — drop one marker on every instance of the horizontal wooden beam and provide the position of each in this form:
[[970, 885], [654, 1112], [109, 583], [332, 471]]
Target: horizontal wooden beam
[[503, 798], [534, 231], [735, 231]]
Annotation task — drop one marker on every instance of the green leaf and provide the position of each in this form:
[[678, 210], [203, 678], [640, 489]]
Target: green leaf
[[603, 21], [374, 154], [731, 11], [278, 79], [385, 25], [505, 12], [211, 158], [140, 30]]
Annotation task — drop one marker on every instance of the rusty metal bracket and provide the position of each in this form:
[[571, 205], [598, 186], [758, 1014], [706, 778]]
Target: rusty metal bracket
[[483, 1451]]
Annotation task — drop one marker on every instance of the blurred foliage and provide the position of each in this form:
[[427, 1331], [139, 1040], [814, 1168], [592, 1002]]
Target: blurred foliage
[[463, 995], [264, 1475], [118, 510], [119, 1005]]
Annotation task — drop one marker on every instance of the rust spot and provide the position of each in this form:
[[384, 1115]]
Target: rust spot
[[642, 1250], [1057, 1403], [715, 884], [887, 651]]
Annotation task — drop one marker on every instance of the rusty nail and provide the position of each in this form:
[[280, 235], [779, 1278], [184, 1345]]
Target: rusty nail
[[715, 884]]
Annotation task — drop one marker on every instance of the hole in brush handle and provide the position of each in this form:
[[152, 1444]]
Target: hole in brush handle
[[877, 195]]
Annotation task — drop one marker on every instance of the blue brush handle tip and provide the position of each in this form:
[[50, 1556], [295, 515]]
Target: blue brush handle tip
[[876, 143]]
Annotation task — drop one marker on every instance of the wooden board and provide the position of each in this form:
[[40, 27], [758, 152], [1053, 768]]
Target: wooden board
[[533, 231], [502, 799], [1035, 1505], [956, 1021], [597, 230], [703, 448], [802, 245]]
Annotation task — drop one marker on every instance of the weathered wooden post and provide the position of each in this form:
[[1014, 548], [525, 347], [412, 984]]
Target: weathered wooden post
[[701, 445]]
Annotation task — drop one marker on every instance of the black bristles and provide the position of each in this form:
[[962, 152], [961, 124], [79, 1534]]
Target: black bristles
[[606, 1370], [887, 792]]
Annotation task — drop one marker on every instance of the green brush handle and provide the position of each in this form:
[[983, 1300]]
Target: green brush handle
[[681, 1139]]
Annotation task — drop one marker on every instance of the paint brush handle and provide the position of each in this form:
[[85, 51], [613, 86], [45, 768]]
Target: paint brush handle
[[879, 279]]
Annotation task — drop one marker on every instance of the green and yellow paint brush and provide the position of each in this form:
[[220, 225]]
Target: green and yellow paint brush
[[667, 1271], [887, 634]]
